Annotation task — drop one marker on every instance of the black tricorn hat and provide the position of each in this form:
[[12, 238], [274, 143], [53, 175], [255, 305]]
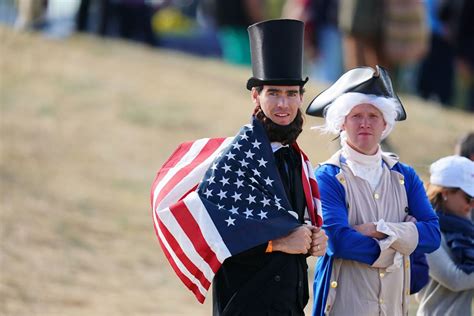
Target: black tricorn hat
[[364, 80], [277, 53]]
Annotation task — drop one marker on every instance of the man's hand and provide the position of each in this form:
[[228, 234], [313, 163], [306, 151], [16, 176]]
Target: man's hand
[[296, 242], [319, 242], [369, 230]]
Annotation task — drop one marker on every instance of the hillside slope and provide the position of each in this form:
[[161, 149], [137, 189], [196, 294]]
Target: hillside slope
[[85, 124]]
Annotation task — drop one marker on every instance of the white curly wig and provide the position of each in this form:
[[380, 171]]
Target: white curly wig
[[336, 113]]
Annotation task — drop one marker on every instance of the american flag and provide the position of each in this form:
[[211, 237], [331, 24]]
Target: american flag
[[214, 198]]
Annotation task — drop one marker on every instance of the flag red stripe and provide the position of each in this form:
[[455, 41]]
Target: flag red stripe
[[309, 198], [314, 187], [307, 187], [173, 160], [211, 146], [186, 281], [315, 190], [192, 229], [181, 254], [170, 163]]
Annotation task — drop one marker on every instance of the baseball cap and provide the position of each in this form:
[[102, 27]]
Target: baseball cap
[[453, 172]]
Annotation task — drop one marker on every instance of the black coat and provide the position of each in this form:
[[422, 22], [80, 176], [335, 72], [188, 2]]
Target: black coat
[[259, 283]]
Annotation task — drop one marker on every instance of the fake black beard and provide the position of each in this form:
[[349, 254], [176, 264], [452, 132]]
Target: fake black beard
[[285, 134]]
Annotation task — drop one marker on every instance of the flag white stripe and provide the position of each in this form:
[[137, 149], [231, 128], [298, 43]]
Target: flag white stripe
[[183, 186], [191, 179], [178, 262], [317, 202], [193, 151], [208, 229], [305, 174], [309, 170], [167, 219]]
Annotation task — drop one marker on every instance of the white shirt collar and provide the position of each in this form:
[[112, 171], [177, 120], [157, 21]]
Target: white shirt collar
[[277, 145]]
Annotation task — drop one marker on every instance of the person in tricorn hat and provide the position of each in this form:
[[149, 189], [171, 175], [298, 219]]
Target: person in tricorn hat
[[271, 278], [375, 208]]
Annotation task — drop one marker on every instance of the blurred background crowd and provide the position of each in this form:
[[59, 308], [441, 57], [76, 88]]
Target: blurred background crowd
[[86, 120], [428, 46]]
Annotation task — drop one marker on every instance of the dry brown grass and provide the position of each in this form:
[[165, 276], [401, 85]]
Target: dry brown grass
[[85, 124]]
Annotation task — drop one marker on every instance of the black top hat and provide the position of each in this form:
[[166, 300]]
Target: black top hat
[[277, 53], [364, 80]]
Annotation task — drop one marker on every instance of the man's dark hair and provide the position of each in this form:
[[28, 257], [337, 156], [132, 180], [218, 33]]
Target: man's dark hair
[[260, 89]]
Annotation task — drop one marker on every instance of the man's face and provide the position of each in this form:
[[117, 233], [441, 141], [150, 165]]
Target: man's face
[[279, 103], [364, 126]]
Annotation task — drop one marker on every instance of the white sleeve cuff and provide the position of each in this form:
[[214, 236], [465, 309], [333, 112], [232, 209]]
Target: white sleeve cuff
[[389, 259], [382, 227]]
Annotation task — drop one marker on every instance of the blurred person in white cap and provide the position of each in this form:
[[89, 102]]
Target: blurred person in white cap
[[465, 146], [450, 290], [375, 209]]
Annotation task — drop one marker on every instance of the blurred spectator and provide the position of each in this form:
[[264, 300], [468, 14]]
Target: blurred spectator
[[447, 73], [436, 75], [360, 22], [405, 42], [329, 65], [31, 14], [464, 50], [129, 19], [301, 10], [389, 33], [84, 14], [188, 25], [465, 146], [405, 31], [233, 17], [134, 20], [322, 36], [206, 13], [450, 290]]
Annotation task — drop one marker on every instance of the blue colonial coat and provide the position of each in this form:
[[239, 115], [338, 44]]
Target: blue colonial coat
[[362, 248]]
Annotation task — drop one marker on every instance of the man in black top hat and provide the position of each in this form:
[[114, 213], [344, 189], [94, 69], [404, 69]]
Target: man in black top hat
[[271, 279]]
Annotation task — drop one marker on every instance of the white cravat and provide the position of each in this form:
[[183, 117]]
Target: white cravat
[[367, 167]]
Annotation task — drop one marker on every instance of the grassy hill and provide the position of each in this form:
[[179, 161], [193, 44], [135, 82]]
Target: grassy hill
[[85, 124]]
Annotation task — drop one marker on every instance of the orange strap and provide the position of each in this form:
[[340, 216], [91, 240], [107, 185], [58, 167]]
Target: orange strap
[[269, 247]]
